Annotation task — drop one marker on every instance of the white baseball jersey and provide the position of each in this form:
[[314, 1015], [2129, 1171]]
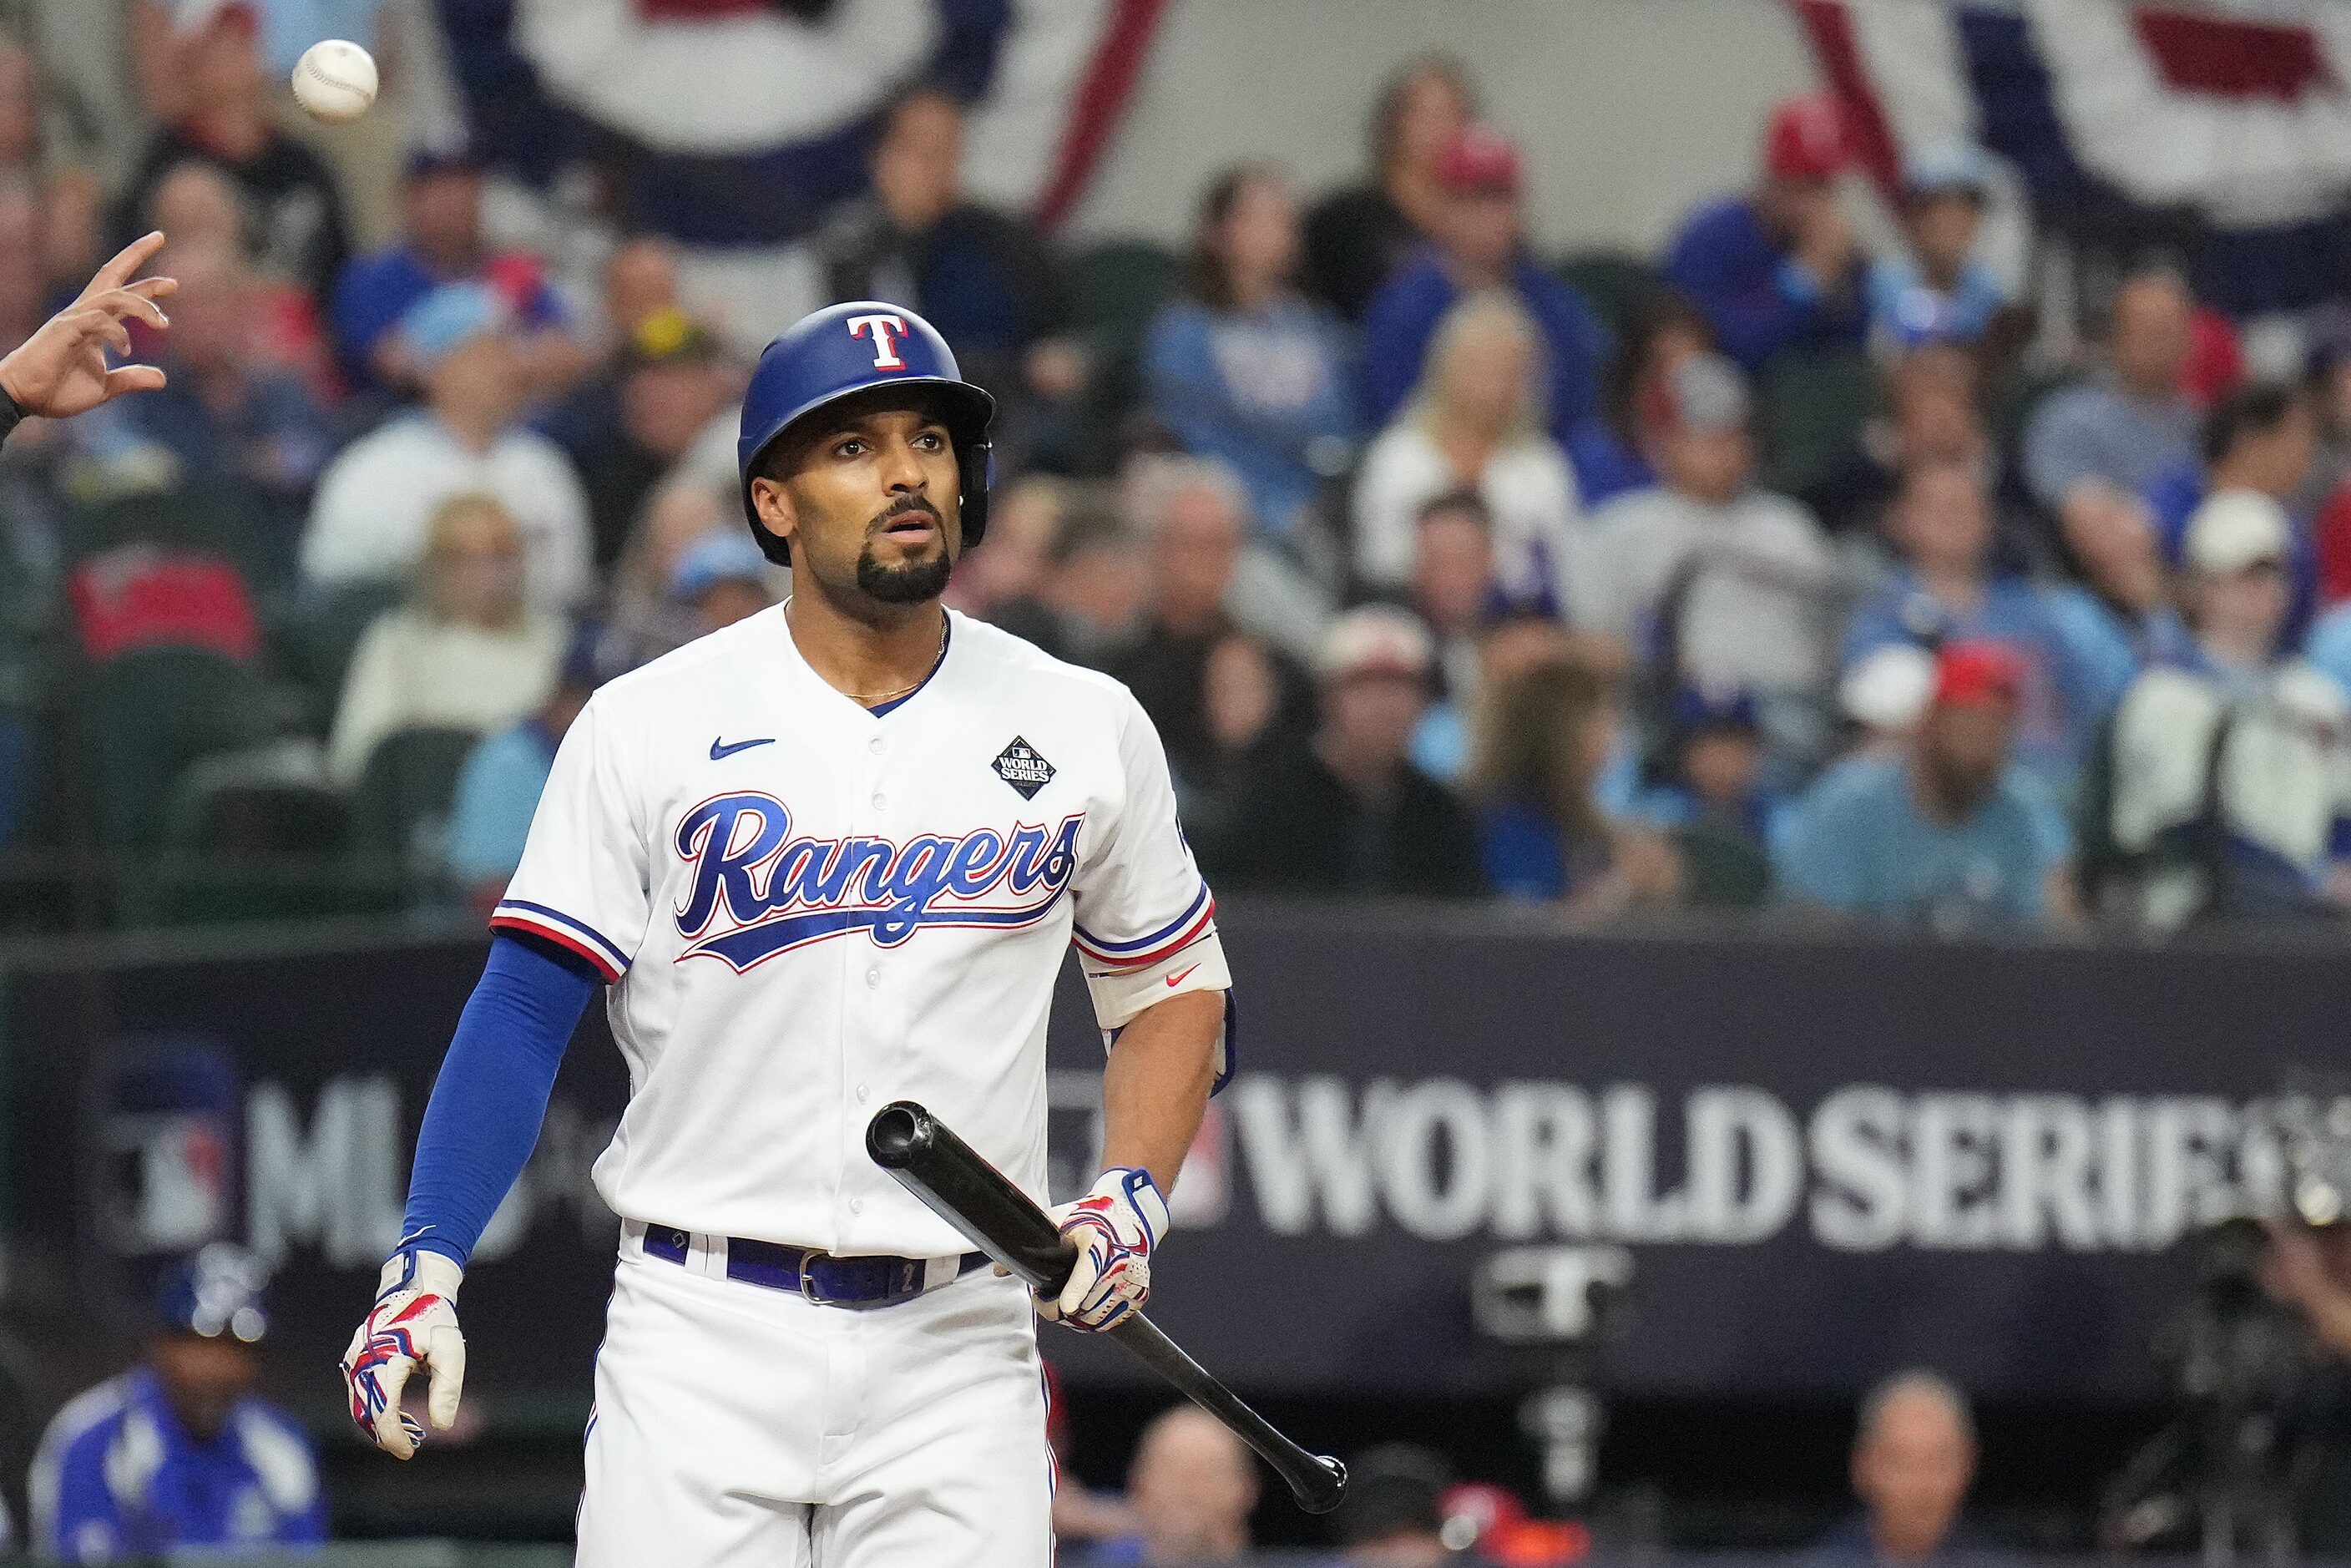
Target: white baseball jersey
[[806, 910]]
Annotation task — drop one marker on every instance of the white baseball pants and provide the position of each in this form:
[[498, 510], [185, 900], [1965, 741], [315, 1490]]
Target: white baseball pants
[[739, 1427]]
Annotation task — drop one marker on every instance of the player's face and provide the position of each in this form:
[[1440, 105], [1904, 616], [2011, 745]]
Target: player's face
[[871, 503]]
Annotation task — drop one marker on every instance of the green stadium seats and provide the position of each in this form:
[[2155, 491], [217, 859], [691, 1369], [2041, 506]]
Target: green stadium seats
[[1810, 407]]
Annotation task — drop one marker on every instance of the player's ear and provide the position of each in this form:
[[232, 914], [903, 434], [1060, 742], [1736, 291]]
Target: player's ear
[[774, 506]]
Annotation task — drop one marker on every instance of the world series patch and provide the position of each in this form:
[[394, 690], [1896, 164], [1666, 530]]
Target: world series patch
[[1020, 766]]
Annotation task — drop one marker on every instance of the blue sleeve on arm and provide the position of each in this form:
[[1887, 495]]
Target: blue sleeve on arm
[[483, 1119]]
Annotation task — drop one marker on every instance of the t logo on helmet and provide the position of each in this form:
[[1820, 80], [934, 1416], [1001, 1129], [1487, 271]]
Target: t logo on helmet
[[886, 346]]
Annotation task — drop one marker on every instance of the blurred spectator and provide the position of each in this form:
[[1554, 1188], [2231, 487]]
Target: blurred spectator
[[1346, 813], [1709, 800], [1024, 518], [1914, 1457], [721, 578], [229, 420], [73, 230], [441, 242], [177, 1454], [369, 521], [1394, 1516], [2117, 617], [1779, 269], [1245, 688], [1190, 1490], [1721, 585], [1941, 291], [1479, 245], [1947, 589], [642, 611], [1930, 417], [1620, 453], [983, 278], [1474, 423], [20, 112], [499, 789], [1191, 524], [639, 279], [1243, 368], [2230, 775], [1095, 590], [670, 380], [2131, 424], [1454, 590], [2261, 438], [23, 302], [198, 207], [1542, 738], [467, 654], [1357, 237], [222, 85], [1947, 834]]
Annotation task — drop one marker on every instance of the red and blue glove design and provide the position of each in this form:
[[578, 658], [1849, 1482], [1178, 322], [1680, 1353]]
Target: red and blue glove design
[[413, 1324], [1116, 1226]]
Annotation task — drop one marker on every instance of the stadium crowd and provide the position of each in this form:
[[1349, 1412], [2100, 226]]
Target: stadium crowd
[[1771, 571]]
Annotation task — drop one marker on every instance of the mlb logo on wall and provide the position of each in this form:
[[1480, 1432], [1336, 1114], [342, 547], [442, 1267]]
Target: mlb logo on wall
[[167, 1174], [1020, 766]]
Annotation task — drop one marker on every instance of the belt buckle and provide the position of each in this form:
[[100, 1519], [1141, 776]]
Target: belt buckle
[[808, 1290]]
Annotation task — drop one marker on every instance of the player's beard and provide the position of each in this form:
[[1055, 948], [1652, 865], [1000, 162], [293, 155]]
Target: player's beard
[[909, 583]]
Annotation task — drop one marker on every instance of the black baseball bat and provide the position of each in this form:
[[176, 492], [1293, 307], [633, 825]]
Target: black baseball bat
[[929, 1161]]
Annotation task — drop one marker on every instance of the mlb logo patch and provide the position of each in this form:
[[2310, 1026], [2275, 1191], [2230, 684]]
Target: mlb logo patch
[[1020, 766]]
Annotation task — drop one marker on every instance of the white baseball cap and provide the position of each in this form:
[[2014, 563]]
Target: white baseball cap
[[1376, 640], [2235, 529]]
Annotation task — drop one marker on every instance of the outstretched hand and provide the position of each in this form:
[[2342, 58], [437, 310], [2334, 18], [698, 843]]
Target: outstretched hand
[[61, 370]]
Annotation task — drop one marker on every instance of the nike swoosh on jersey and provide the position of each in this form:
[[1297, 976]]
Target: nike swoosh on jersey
[[1177, 977], [720, 750]]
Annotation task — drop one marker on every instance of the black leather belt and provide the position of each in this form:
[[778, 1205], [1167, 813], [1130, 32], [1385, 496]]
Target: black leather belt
[[828, 1280]]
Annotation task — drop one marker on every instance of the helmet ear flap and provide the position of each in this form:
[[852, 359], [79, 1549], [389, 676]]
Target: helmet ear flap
[[979, 475]]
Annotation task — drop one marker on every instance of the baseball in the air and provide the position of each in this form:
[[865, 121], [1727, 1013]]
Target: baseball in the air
[[334, 81]]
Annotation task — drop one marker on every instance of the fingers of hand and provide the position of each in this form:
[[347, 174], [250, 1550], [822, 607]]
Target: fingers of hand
[[127, 261], [134, 378], [445, 1358], [1080, 1283], [123, 302]]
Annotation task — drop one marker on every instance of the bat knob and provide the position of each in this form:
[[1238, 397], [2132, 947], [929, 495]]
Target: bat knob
[[1321, 1494], [897, 1134]]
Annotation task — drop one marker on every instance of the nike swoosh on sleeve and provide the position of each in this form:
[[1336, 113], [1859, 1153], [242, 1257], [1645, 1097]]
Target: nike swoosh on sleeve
[[1177, 977]]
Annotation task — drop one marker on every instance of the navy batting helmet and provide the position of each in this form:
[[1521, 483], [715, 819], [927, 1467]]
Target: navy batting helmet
[[845, 350]]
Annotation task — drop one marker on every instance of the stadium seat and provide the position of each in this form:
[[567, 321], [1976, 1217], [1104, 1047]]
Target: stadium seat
[[401, 802], [319, 631], [1615, 285], [1810, 407], [143, 719], [1115, 288], [260, 834]]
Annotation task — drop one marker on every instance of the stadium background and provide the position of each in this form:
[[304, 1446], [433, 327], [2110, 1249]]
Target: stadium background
[[1813, 1153]]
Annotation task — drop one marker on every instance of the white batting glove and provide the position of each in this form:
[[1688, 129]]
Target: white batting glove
[[414, 1322], [1116, 1226]]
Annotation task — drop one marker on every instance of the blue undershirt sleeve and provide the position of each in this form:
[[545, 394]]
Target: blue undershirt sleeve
[[483, 1119]]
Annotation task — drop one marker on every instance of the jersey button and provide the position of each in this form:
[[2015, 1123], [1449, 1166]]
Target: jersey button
[[856, 1206], [874, 746], [863, 1093], [880, 800], [874, 978]]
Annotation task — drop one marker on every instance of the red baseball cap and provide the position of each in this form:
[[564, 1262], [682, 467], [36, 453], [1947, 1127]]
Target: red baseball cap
[[1975, 672], [1806, 139], [1479, 159]]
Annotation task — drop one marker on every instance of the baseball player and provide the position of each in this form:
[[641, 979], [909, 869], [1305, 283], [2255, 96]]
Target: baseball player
[[825, 858]]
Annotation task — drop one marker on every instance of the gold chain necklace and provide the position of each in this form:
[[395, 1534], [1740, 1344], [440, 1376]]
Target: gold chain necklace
[[867, 699]]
